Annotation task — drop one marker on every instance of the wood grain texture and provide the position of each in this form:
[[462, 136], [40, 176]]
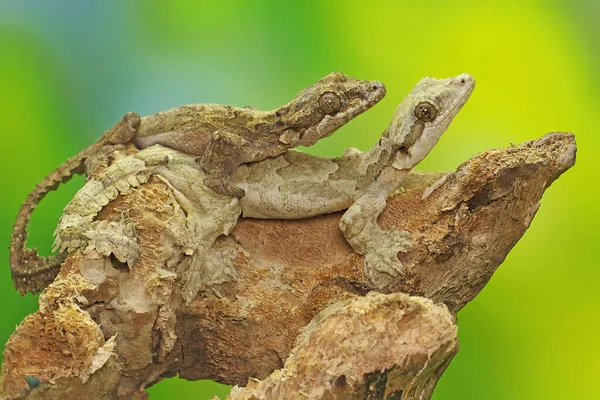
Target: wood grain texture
[[108, 331]]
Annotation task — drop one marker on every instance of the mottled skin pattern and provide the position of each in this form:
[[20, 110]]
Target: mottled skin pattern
[[297, 185], [225, 137], [222, 136]]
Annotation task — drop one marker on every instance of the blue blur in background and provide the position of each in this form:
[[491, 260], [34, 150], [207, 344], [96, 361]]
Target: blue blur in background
[[69, 70]]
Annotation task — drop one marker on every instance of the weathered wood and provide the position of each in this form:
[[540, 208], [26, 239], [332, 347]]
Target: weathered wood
[[108, 331]]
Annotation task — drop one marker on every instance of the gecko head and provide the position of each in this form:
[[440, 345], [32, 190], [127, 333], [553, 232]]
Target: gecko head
[[319, 110], [424, 115]]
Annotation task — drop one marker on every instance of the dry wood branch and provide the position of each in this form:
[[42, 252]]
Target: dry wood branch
[[109, 330]]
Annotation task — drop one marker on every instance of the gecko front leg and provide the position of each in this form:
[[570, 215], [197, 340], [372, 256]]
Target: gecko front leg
[[220, 160], [359, 225], [418, 123]]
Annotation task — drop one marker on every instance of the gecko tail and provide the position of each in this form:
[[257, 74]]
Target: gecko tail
[[31, 272]]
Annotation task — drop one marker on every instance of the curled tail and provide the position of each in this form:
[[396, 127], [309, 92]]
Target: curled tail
[[30, 271]]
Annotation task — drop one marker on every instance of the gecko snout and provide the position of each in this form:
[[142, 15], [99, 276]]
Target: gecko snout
[[376, 91], [466, 80]]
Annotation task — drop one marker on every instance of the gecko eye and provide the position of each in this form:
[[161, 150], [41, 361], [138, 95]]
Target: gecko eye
[[329, 103], [425, 111]]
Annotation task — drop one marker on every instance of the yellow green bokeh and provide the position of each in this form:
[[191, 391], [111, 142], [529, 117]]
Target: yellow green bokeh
[[70, 69]]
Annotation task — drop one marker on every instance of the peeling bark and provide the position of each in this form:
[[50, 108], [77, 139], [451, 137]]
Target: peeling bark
[[108, 330]]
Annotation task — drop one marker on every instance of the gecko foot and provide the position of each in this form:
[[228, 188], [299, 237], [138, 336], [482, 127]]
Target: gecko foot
[[221, 186], [381, 262]]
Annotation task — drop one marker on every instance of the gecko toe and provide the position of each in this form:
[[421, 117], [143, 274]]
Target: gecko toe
[[224, 188]]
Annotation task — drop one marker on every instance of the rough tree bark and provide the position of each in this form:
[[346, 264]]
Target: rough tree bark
[[108, 331]]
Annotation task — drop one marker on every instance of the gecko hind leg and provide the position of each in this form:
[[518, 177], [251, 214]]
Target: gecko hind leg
[[124, 130]]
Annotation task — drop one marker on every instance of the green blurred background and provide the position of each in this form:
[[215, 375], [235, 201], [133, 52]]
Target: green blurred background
[[71, 69]]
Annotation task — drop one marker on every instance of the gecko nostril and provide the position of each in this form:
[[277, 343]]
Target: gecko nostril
[[462, 80]]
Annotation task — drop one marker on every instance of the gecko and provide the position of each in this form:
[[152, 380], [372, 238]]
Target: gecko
[[222, 136], [297, 185]]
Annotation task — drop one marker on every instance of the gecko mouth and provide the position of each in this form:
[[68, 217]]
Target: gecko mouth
[[365, 95], [372, 93]]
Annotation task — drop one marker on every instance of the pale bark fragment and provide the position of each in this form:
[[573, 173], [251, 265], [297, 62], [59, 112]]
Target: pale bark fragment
[[372, 347], [283, 274]]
